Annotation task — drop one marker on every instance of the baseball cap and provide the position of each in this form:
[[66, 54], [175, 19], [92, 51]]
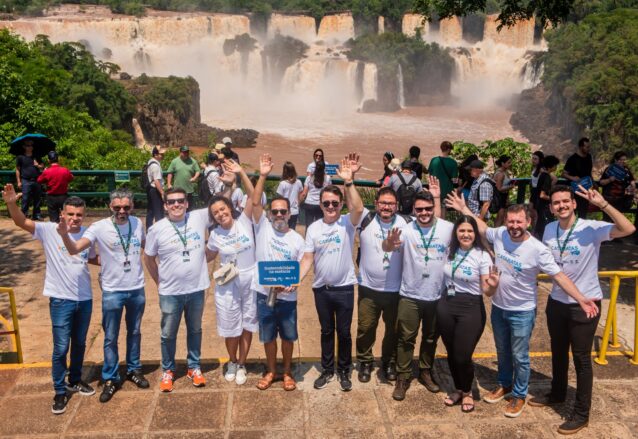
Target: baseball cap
[[226, 140], [158, 150], [219, 147], [184, 148], [394, 164], [476, 164], [407, 164]]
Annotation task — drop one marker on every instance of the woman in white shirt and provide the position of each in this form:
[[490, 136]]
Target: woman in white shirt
[[469, 274], [311, 192], [291, 188]]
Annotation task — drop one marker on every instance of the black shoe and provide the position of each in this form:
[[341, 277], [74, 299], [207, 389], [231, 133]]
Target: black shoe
[[402, 386], [137, 378], [81, 387], [365, 372], [344, 381], [572, 426], [109, 389], [324, 379], [390, 371], [59, 404], [545, 400], [427, 379]]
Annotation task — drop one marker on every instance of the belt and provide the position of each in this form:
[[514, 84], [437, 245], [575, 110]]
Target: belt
[[336, 287]]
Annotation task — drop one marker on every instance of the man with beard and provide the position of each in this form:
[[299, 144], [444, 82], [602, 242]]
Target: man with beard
[[329, 245], [575, 245], [425, 244], [275, 241], [67, 283], [120, 239], [519, 258]]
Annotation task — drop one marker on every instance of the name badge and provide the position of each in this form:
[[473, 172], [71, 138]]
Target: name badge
[[127, 266], [186, 256], [450, 291], [425, 275]]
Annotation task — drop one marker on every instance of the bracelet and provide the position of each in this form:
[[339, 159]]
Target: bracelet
[[605, 206], [348, 184]]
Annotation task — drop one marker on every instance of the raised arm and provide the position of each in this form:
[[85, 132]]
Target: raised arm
[[569, 287], [10, 197], [72, 246], [435, 189], [234, 167], [622, 225], [349, 166], [265, 167], [456, 202]]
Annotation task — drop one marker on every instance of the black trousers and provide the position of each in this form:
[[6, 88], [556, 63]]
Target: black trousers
[[31, 194], [191, 201], [461, 320], [335, 306], [54, 206], [582, 207], [569, 327], [312, 213], [155, 210]]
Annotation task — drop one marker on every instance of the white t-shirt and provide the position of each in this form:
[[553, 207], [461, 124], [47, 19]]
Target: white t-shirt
[[519, 263], [236, 199], [180, 273], [236, 244], [310, 169], [272, 245], [332, 246], [373, 272], [580, 256], [420, 280], [467, 276], [66, 277], [113, 276], [154, 172], [244, 198], [313, 191], [291, 192], [215, 184]]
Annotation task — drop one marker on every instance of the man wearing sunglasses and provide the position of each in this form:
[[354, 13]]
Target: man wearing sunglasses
[[119, 239], [275, 241], [425, 244], [329, 245], [175, 256]]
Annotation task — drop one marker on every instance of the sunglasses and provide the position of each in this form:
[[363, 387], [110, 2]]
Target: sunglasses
[[279, 211], [124, 208], [332, 203], [423, 209], [318, 155], [176, 201]]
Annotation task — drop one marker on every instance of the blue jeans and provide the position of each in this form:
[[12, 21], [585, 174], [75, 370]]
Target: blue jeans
[[70, 321], [280, 319], [172, 307], [113, 302], [512, 331]]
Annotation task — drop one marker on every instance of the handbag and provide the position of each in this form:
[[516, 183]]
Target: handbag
[[225, 273]]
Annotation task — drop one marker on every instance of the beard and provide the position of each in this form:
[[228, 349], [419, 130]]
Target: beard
[[280, 225]]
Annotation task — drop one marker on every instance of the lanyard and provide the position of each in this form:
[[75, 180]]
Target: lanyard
[[456, 266], [561, 248], [127, 245], [426, 246], [182, 237]]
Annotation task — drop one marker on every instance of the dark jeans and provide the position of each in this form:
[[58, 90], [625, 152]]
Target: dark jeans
[[54, 206], [569, 327], [372, 305], [113, 303], [292, 222], [191, 202], [312, 213], [70, 321], [155, 210], [461, 320], [582, 207], [412, 314], [335, 306], [31, 193]]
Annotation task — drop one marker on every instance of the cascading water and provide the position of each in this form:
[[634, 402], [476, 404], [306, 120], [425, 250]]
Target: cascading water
[[401, 90]]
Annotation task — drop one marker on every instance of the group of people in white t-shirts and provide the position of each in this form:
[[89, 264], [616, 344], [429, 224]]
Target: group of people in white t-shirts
[[415, 271]]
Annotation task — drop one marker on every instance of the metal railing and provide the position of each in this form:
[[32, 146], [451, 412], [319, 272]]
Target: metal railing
[[16, 344]]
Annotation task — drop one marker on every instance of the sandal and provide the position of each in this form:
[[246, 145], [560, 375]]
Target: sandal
[[453, 399], [467, 407], [289, 382], [266, 381]]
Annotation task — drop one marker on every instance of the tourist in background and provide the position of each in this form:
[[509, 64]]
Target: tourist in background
[[313, 185], [387, 172], [618, 183], [446, 170], [183, 173], [317, 157], [546, 180], [291, 188], [417, 166], [245, 197], [578, 170], [537, 165], [28, 169], [57, 179], [155, 188], [406, 185], [212, 174], [481, 191], [465, 176], [503, 182], [228, 151]]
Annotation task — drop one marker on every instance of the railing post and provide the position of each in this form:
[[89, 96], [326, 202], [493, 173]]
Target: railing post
[[634, 359], [602, 355], [16, 328]]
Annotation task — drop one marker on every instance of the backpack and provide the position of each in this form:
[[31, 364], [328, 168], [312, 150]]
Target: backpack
[[366, 222], [144, 181], [203, 191], [495, 203], [406, 194]]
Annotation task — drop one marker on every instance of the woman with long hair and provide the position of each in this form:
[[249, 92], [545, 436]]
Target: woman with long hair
[[312, 188], [387, 172], [503, 181], [317, 156], [291, 188], [537, 164], [469, 274]]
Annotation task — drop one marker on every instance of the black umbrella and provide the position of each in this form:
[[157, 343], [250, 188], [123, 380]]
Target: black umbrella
[[41, 144]]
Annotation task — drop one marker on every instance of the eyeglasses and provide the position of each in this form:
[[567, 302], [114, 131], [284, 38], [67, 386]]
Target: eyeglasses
[[176, 201], [124, 208], [279, 211], [387, 203], [333, 203], [423, 209], [318, 155]]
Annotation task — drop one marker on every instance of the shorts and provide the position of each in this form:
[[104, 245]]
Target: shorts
[[236, 306], [281, 319]]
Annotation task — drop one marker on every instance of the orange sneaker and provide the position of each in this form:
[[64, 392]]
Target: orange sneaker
[[166, 385], [197, 377]]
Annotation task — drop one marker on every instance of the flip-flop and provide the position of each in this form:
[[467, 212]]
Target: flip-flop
[[266, 381], [451, 402], [470, 405], [289, 383]]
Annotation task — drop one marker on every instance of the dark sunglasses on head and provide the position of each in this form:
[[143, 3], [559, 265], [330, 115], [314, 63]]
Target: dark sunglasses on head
[[176, 201], [332, 203], [279, 211], [423, 209], [124, 208]]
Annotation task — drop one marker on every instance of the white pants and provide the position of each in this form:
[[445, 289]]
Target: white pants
[[236, 306]]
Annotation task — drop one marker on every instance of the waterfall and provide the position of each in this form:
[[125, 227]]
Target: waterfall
[[296, 26], [401, 91], [532, 74], [140, 141], [521, 35], [336, 28], [370, 82], [412, 22]]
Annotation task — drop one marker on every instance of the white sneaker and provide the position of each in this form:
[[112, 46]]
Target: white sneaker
[[231, 371], [240, 377]]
